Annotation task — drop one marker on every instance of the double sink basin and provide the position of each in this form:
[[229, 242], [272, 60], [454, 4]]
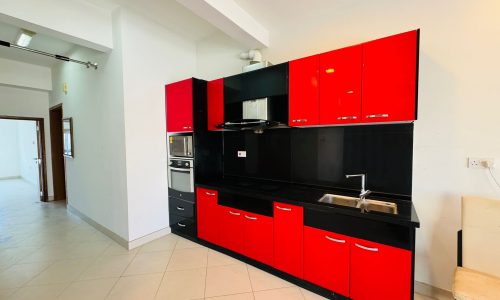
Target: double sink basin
[[371, 205]]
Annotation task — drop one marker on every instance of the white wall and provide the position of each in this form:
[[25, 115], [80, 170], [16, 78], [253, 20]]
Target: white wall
[[152, 57], [458, 100], [22, 102], [28, 151], [96, 176], [15, 73], [9, 155]]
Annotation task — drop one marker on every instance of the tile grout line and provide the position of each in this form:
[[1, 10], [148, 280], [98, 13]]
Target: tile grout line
[[166, 268]]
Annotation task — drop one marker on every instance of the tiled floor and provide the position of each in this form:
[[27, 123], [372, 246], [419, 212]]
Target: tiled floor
[[47, 253]]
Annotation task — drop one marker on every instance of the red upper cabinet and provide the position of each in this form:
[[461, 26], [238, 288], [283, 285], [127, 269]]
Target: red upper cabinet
[[258, 237], [207, 215], [327, 260], [215, 99], [231, 229], [179, 104], [340, 86], [288, 238], [390, 78], [304, 91], [379, 271]]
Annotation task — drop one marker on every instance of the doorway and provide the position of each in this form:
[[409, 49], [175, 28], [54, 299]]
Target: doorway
[[22, 144], [57, 149]]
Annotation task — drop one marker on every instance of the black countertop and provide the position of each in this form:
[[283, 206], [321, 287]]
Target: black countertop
[[308, 197]]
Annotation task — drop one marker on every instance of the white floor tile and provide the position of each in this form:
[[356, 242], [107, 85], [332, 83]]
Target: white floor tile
[[227, 280], [183, 284], [143, 287]]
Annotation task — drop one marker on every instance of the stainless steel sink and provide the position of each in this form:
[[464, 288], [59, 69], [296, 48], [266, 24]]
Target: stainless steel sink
[[372, 205], [339, 200]]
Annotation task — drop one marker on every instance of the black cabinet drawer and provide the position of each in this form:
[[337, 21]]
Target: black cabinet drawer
[[181, 207], [182, 225]]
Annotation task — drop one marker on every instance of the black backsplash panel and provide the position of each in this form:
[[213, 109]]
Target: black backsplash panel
[[322, 156]]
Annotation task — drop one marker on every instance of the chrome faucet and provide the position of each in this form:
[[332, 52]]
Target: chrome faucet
[[362, 203]]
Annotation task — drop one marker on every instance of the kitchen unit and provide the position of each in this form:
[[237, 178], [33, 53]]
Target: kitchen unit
[[272, 148]]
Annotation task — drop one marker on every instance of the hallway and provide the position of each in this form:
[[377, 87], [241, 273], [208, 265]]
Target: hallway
[[47, 253]]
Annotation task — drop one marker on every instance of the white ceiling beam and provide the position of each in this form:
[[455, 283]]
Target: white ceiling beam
[[230, 18]]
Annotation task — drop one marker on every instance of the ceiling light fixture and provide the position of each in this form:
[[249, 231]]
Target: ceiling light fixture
[[24, 37]]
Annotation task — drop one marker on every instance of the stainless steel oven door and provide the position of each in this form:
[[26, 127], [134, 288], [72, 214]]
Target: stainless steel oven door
[[181, 179], [180, 145]]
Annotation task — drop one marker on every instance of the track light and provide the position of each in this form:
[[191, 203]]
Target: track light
[[24, 37]]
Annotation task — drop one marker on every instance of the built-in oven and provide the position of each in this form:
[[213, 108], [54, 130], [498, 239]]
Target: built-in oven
[[181, 178], [180, 145]]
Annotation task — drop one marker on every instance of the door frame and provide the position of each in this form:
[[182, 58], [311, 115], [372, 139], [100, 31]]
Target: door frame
[[42, 171]]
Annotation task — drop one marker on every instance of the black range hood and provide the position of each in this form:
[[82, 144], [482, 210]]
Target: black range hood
[[256, 100]]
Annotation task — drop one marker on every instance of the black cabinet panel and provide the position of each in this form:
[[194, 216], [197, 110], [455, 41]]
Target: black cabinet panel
[[246, 203], [181, 207], [183, 226]]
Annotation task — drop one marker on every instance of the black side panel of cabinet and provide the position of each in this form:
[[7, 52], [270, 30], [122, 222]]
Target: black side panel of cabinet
[[376, 231]]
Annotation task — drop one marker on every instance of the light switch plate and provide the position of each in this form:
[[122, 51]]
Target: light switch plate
[[242, 154], [480, 162]]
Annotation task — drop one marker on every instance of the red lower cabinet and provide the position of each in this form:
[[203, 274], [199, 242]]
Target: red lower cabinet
[[288, 238], [258, 237], [207, 215], [379, 272], [231, 229], [327, 260]]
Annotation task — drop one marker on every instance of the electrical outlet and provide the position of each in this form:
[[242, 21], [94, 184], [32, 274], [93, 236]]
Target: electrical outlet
[[242, 154], [480, 163]]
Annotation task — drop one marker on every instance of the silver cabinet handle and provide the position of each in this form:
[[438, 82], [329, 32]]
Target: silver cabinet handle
[[186, 127], [210, 194], [347, 118], [234, 214], [366, 248], [180, 208], [334, 240], [180, 170], [283, 208], [377, 116], [299, 120], [250, 218], [181, 225]]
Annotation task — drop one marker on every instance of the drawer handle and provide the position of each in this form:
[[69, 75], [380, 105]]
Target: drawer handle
[[347, 118], [377, 116], [250, 218], [366, 248], [283, 208], [180, 208], [234, 214], [299, 121], [210, 194], [186, 127], [181, 225], [334, 240]]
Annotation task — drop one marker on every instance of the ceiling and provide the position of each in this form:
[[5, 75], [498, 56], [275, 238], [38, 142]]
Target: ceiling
[[168, 13], [40, 42]]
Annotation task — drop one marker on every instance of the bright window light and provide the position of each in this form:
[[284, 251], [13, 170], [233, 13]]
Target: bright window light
[[24, 38]]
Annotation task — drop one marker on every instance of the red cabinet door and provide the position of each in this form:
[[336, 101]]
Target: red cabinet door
[[379, 272], [179, 105], [231, 229], [340, 86], [258, 237], [215, 99], [327, 260], [389, 78], [304, 91], [288, 238], [207, 215]]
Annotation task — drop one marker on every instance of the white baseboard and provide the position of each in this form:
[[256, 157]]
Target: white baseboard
[[432, 291], [115, 237], [10, 177]]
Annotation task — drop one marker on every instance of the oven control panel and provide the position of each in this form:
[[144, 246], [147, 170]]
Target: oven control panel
[[181, 163]]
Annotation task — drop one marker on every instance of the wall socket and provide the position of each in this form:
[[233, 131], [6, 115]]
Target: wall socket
[[242, 154], [480, 162]]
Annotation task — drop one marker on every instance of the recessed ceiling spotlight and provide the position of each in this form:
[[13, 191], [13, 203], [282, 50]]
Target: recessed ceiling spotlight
[[24, 37]]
